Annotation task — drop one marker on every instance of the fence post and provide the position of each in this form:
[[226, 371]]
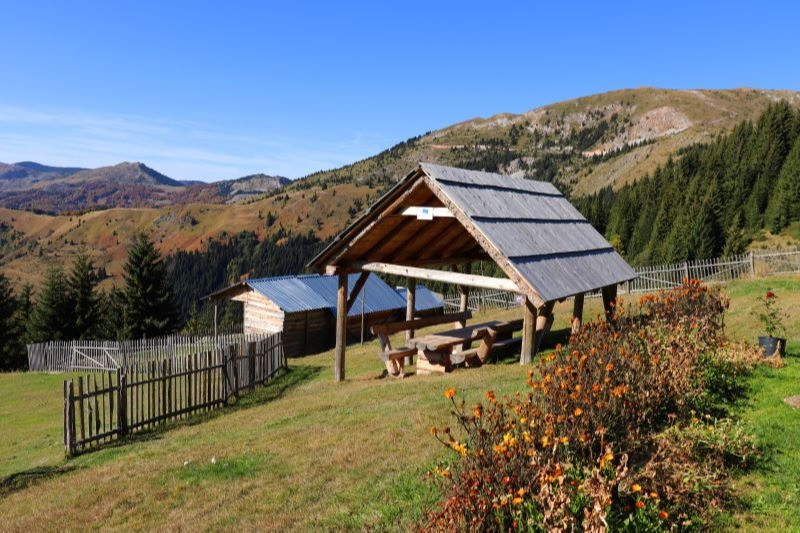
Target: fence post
[[752, 265], [122, 402], [686, 270], [69, 418], [235, 364]]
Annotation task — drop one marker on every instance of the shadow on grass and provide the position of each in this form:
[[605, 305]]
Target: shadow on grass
[[273, 390], [28, 478], [554, 338]]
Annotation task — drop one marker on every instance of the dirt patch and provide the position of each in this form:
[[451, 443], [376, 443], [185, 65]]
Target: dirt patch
[[793, 401]]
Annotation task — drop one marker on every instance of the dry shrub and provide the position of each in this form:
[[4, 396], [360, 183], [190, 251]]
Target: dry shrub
[[556, 457]]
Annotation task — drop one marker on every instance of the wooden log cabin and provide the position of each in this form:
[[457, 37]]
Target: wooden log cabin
[[304, 308], [437, 220]]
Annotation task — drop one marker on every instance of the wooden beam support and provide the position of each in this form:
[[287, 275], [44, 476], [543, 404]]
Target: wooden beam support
[[468, 280], [528, 332], [609, 300], [341, 328], [544, 321], [362, 279], [411, 299], [577, 313]]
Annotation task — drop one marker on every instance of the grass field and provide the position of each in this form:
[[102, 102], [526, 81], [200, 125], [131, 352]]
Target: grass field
[[307, 453]]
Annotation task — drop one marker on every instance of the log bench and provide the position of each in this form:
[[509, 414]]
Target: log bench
[[394, 358], [499, 338]]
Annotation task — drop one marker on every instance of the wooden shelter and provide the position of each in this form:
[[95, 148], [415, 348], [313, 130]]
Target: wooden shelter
[[439, 216], [304, 308]]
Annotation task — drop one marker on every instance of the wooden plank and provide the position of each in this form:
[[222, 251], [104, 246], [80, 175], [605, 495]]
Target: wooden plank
[[419, 323], [427, 213], [469, 280], [359, 284], [80, 406]]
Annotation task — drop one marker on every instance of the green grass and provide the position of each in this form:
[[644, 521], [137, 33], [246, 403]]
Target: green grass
[[307, 453]]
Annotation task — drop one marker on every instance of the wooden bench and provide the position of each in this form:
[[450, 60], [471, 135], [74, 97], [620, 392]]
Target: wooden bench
[[499, 338], [394, 358]]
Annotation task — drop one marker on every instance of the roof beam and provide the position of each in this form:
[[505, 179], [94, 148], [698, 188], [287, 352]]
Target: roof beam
[[455, 278], [362, 279]]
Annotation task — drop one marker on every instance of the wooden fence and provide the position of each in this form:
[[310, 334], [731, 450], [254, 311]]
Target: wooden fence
[[104, 406], [77, 355], [653, 278]]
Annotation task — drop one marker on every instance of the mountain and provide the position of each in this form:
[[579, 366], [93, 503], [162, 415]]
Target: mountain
[[583, 144], [43, 188], [587, 146]]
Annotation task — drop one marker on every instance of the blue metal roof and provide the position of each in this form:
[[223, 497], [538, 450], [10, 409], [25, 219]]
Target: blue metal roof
[[424, 299], [312, 291], [289, 293]]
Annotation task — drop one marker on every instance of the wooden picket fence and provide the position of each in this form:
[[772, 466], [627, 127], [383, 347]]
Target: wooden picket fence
[[104, 406], [77, 355]]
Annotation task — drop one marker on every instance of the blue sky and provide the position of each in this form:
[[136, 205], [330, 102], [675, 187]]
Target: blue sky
[[203, 90]]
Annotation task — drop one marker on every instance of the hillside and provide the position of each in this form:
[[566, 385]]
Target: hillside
[[29, 242], [583, 144]]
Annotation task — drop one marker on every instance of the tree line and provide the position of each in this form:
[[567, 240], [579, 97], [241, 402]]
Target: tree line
[[69, 305], [711, 199]]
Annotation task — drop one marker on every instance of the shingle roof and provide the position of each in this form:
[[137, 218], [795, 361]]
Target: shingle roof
[[531, 223], [529, 228]]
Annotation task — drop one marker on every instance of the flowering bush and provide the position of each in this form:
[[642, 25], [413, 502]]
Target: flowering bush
[[771, 315], [583, 448]]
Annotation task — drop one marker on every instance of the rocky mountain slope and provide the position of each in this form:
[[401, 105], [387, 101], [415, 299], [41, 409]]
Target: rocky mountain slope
[[582, 145]]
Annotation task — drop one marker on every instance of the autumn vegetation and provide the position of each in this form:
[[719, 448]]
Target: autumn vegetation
[[625, 428]]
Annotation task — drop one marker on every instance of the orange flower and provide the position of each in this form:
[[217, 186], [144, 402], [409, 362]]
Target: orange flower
[[449, 393], [517, 500], [478, 411], [578, 411], [639, 505], [663, 515], [433, 430], [490, 396], [654, 495]]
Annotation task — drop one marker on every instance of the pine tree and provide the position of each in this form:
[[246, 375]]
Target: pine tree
[[82, 294], [51, 316], [25, 310], [12, 352], [149, 305], [112, 306], [784, 205], [736, 242]]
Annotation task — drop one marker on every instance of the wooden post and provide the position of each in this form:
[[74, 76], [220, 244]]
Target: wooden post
[[609, 300], [686, 270], [69, 418], [544, 321], [411, 298], [577, 313], [122, 403], [341, 328], [528, 332], [752, 259]]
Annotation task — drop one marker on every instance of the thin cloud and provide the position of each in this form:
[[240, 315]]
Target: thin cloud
[[180, 149]]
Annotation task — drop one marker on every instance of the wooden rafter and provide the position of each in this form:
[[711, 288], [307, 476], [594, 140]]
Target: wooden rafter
[[455, 278]]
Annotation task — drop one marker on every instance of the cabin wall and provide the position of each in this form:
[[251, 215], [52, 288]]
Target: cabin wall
[[261, 315], [308, 332]]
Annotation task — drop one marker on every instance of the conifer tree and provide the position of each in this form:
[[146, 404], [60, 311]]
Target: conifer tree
[[112, 306], [149, 305], [785, 202], [736, 242], [12, 353], [81, 284], [51, 316]]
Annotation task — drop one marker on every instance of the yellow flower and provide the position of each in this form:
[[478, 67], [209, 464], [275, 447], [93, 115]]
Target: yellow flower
[[578, 411], [517, 500], [564, 440], [636, 487], [545, 440], [449, 393]]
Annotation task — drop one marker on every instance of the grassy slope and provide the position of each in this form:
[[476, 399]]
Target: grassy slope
[[107, 232], [308, 453]]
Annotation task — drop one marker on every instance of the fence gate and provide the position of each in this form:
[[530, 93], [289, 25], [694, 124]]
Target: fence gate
[[93, 357]]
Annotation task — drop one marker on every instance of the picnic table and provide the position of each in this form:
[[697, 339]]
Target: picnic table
[[435, 351]]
